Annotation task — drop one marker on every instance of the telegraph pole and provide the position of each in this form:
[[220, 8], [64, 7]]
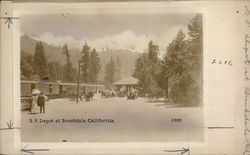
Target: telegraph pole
[[78, 82]]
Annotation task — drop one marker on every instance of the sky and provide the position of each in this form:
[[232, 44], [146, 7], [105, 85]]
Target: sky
[[117, 31]]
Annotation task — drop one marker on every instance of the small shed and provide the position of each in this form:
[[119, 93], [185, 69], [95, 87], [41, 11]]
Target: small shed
[[128, 82]]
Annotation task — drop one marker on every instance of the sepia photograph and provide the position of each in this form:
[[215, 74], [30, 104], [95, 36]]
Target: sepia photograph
[[111, 77]]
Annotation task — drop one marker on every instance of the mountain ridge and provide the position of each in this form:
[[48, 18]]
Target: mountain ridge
[[54, 53]]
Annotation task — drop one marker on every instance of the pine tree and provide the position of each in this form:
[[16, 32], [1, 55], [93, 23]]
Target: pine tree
[[85, 61], [94, 66], [39, 61], [175, 66], [67, 68], [26, 66], [52, 72], [195, 33], [182, 65], [152, 51], [146, 71], [118, 69], [141, 72], [110, 69]]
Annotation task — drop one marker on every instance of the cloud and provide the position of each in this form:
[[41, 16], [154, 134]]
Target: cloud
[[58, 40], [125, 40]]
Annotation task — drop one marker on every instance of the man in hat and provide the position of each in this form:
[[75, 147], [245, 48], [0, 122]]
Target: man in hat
[[41, 102]]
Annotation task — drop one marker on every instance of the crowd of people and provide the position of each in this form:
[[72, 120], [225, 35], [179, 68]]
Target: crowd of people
[[131, 93]]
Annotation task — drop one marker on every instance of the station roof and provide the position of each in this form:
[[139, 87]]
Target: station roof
[[71, 84], [65, 83], [94, 85], [127, 81]]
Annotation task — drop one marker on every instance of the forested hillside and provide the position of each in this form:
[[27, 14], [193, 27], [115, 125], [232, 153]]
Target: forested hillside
[[55, 59]]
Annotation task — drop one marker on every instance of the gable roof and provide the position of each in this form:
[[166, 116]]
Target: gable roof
[[127, 81]]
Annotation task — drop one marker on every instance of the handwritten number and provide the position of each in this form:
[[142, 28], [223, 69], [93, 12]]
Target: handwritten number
[[222, 62]]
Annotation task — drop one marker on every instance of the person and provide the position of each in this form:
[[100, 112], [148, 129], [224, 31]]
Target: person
[[41, 102], [34, 108]]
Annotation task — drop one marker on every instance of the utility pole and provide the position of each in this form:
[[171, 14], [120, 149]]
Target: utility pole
[[78, 82]]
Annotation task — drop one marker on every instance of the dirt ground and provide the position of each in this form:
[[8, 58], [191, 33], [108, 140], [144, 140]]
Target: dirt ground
[[112, 120]]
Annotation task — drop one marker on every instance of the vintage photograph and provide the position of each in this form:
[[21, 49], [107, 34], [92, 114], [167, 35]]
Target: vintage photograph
[[111, 77]]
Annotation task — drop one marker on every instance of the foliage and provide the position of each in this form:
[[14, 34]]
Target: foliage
[[26, 66], [94, 66], [36, 67], [90, 64], [146, 71], [110, 69], [39, 61], [152, 51], [141, 73], [56, 71], [118, 69], [179, 74], [182, 65], [68, 70], [85, 60], [196, 47]]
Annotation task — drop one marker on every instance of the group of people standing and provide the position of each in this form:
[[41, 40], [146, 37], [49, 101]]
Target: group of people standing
[[37, 102]]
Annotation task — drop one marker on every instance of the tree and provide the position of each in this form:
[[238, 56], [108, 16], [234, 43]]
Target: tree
[[85, 60], [195, 29], [146, 71], [67, 68], [94, 66], [195, 33], [175, 67], [175, 56], [110, 69], [56, 71], [118, 69], [39, 61], [141, 73], [26, 66], [182, 65], [152, 51]]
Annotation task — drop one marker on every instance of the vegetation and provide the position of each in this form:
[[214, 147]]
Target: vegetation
[[26, 66], [90, 64], [94, 66], [179, 75], [110, 70], [69, 73], [146, 71], [39, 61], [183, 65], [56, 61], [118, 69], [85, 63]]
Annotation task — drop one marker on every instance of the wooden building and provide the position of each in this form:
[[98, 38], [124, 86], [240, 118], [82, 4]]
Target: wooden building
[[127, 83]]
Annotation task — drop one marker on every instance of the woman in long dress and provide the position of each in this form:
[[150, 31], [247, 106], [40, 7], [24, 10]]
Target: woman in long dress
[[34, 106]]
